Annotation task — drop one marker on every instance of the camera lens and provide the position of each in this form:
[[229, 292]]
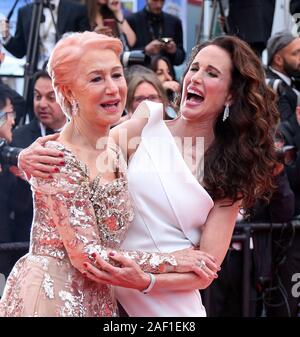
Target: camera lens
[[129, 58]]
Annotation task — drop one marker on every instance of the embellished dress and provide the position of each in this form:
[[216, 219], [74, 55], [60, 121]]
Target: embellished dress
[[73, 217]]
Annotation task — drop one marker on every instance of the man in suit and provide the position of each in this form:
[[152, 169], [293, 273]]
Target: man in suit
[[69, 16], [49, 118], [252, 21], [151, 25], [284, 65], [6, 124]]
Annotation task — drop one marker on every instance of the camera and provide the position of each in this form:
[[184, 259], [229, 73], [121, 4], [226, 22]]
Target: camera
[[8, 154], [129, 58], [287, 154]]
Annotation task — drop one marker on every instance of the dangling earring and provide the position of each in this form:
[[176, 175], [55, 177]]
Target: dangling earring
[[226, 113], [74, 106]]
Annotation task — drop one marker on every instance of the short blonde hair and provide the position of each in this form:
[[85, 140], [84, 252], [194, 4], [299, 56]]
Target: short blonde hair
[[66, 55]]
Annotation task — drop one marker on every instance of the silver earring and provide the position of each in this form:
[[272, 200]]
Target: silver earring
[[226, 113], [74, 106]]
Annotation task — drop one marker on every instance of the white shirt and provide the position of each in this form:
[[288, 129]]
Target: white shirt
[[47, 33]]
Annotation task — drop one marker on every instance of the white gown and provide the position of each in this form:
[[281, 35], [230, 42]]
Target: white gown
[[170, 207]]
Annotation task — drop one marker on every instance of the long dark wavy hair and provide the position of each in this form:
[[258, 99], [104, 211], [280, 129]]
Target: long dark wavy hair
[[239, 163]]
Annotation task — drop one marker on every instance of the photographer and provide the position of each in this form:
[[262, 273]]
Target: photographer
[[158, 32], [8, 154], [6, 179]]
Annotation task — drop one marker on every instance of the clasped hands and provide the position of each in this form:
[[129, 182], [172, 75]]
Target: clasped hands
[[130, 275]]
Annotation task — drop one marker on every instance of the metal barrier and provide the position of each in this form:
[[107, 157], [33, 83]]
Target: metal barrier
[[245, 230], [14, 246]]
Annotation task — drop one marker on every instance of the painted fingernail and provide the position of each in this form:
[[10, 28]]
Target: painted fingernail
[[56, 169], [85, 265], [61, 155], [62, 163], [111, 254], [93, 255]]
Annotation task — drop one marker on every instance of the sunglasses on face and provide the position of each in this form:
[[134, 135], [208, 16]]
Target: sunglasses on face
[[4, 116]]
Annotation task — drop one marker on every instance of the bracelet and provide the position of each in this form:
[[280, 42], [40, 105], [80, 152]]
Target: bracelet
[[151, 284], [120, 21]]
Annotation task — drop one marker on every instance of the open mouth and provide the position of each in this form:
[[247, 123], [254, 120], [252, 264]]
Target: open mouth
[[111, 105], [195, 96]]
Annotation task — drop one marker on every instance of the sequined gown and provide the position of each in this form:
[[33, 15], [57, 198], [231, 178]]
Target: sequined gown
[[73, 218]]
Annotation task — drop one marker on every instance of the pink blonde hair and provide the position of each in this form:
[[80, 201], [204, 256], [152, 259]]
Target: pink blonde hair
[[66, 55]]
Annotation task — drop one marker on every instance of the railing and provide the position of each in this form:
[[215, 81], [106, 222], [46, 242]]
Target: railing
[[245, 231]]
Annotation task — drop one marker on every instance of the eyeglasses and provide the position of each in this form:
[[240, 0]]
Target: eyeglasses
[[4, 116], [154, 98]]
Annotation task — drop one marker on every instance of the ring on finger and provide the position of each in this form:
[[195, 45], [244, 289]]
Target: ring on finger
[[201, 264]]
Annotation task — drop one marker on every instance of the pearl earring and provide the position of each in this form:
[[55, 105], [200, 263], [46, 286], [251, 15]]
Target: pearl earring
[[226, 113]]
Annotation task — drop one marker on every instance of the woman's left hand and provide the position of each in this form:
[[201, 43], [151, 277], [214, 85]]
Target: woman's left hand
[[129, 275], [197, 261]]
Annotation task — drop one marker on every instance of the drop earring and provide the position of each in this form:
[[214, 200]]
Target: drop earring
[[226, 113], [74, 106]]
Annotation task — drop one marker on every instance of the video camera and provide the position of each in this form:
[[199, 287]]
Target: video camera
[[8, 154]]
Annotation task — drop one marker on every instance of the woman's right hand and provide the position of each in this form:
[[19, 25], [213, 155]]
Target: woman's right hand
[[103, 30], [172, 85], [197, 261], [38, 161]]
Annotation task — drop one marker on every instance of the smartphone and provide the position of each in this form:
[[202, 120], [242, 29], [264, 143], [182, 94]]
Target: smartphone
[[112, 24], [166, 40]]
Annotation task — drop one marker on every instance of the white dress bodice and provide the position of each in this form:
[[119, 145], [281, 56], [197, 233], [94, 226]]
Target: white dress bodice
[[170, 207]]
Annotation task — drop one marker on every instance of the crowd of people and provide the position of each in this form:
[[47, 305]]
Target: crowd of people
[[130, 183]]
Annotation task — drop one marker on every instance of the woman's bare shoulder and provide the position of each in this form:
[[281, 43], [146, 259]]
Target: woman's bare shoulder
[[127, 135]]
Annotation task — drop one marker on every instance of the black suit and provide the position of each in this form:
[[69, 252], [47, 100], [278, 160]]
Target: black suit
[[71, 17], [294, 6], [21, 193], [252, 21], [16, 201], [287, 98], [7, 259], [171, 27]]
